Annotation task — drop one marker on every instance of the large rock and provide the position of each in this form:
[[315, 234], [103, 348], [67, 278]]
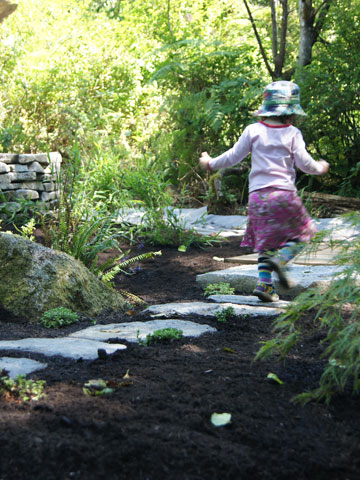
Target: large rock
[[34, 279]]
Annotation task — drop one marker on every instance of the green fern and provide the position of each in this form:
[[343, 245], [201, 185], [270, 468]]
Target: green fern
[[123, 266]]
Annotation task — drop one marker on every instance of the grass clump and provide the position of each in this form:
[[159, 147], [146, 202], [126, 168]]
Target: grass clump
[[20, 388], [59, 317], [221, 288]]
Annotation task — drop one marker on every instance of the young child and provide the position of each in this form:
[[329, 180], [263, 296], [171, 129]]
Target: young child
[[277, 219]]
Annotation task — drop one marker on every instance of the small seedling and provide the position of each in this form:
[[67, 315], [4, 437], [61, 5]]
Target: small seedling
[[225, 314], [20, 388], [274, 378], [58, 317], [218, 289], [161, 336]]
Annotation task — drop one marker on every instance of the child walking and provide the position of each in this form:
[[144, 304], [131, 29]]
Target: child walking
[[277, 220]]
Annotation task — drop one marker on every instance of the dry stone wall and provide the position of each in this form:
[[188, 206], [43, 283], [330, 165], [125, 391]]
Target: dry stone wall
[[30, 176]]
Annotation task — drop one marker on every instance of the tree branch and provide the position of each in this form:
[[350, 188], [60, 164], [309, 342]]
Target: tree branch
[[321, 12], [284, 23], [262, 51]]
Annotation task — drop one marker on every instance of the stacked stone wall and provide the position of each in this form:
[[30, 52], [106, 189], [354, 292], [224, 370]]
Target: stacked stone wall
[[30, 177]]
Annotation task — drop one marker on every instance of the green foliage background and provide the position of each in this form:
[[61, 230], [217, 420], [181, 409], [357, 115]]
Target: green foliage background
[[141, 88]]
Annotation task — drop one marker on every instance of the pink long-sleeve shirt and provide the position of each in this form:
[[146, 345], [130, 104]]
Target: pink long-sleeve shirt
[[275, 151]]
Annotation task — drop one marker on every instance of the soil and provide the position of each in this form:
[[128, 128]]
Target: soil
[[156, 424]]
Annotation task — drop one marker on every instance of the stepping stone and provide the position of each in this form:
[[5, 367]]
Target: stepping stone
[[247, 300], [132, 331], [208, 309], [244, 278], [67, 347], [324, 255], [20, 366]]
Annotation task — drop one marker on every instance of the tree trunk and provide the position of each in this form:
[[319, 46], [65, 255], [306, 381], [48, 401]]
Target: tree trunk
[[311, 23], [6, 9]]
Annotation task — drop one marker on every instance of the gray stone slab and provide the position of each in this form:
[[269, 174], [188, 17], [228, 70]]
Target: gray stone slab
[[247, 300], [36, 167], [31, 157], [9, 157], [47, 196], [74, 348], [17, 167], [244, 277], [22, 193], [22, 176], [20, 366], [208, 309], [4, 168], [132, 331]]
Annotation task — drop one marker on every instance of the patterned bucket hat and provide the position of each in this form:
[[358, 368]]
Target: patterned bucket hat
[[280, 98]]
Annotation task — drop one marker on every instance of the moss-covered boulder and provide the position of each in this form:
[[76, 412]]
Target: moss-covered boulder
[[34, 279]]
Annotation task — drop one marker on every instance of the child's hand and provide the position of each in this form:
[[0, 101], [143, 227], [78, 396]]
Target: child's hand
[[204, 160], [325, 165]]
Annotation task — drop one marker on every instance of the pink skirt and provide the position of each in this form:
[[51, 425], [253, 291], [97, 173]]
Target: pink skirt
[[275, 217]]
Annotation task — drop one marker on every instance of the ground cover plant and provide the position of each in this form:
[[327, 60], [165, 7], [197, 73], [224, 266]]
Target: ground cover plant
[[21, 389], [58, 317]]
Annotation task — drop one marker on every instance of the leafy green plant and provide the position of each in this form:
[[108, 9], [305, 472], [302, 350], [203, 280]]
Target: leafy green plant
[[336, 316], [221, 288], [59, 317], [225, 314], [21, 388], [27, 230], [163, 335]]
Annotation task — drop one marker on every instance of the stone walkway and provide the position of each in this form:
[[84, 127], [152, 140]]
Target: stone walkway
[[314, 270]]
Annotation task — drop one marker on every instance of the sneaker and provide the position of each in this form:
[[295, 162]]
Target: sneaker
[[266, 292], [280, 270]]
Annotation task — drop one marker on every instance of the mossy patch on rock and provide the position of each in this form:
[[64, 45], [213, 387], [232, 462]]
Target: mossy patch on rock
[[34, 279]]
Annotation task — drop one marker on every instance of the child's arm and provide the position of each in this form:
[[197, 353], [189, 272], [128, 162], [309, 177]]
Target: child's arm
[[231, 157], [205, 160], [304, 160], [326, 166]]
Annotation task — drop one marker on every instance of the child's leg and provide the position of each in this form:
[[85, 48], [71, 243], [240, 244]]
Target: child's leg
[[264, 268], [286, 253], [264, 288]]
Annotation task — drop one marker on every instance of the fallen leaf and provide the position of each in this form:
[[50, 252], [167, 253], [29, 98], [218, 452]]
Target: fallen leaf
[[220, 419], [228, 350]]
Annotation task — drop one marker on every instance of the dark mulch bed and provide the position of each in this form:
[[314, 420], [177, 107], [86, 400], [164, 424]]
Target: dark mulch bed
[[158, 426]]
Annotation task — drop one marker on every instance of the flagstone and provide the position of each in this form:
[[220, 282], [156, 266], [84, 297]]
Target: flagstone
[[67, 347], [247, 300], [132, 331], [244, 277], [208, 309], [20, 366]]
